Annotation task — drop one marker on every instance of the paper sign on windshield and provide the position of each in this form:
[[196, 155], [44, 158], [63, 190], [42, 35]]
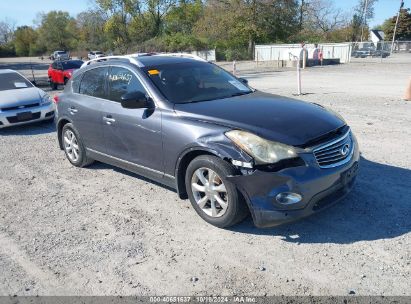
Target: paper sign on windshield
[[239, 85], [20, 85]]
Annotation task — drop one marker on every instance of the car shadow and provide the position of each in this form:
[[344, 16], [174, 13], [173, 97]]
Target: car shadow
[[37, 128], [379, 207], [103, 166]]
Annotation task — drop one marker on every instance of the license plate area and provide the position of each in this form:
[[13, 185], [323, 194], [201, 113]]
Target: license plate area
[[348, 175], [24, 116]]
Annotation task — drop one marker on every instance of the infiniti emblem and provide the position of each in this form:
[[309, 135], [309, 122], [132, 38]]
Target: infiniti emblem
[[344, 150]]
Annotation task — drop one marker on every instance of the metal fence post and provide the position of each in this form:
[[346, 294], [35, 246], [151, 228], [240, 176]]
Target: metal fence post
[[297, 58], [298, 78], [304, 58]]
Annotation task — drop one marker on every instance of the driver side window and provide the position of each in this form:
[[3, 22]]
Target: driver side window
[[122, 81]]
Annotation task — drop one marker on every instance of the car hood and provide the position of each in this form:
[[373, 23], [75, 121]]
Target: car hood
[[273, 117], [20, 97]]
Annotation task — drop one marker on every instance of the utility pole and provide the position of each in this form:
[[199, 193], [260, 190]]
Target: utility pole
[[301, 14], [396, 24], [364, 19]]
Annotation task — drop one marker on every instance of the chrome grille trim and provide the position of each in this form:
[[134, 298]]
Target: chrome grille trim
[[330, 155], [20, 107]]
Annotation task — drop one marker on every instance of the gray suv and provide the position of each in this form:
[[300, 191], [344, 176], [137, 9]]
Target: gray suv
[[190, 125]]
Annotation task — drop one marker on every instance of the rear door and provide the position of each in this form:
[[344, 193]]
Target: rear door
[[86, 104], [132, 135], [59, 74]]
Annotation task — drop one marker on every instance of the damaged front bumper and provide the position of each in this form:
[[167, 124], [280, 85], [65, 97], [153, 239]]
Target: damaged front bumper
[[318, 187]]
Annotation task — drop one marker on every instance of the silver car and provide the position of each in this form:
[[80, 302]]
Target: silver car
[[21, 102], [60, 55], [95, 54]]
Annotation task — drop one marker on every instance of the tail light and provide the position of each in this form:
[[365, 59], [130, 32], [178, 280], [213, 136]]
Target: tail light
[[56, 99]]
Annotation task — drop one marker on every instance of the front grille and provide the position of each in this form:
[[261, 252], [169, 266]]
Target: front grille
[[14, 119], [336, 152], [20, 107], [50, 114]]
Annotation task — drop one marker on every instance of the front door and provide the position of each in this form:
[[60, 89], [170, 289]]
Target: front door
[[132, 135]]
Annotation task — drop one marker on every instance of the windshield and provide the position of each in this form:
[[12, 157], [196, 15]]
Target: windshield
[[13, 81], [194, 82], [74, 64], [61, 52], [99, 53]]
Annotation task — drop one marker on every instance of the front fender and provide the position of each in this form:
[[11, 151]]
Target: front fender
[[217, 145]]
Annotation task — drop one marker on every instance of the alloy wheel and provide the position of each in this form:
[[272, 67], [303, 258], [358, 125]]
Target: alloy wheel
[[209, 192], [71, 145]]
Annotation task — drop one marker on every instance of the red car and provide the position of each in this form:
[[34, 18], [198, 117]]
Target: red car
[[61, 71]]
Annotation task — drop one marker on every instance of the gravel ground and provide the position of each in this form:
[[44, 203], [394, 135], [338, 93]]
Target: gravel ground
[[103, 231]]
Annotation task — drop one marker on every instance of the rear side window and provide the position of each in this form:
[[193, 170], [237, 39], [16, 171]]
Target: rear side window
[[75, 84], [93, 83], [122, 81]]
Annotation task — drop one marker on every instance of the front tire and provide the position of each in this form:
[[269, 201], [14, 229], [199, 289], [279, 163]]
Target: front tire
[[212, 195], [74, 147]]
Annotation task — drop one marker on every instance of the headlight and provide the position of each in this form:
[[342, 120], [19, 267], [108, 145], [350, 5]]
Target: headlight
[[45, 100], [263, 151]]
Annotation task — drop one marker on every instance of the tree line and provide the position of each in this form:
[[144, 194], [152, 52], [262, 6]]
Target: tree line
[[232, 27]]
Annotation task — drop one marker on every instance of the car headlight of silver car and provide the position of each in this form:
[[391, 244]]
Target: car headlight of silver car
[[263, 151], [45, 100]]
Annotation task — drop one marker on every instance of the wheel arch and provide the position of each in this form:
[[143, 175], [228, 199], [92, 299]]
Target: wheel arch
[[184, 160], [60, 124]]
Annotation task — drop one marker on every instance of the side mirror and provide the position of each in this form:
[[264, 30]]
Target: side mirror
[[134, 100], [243, 80]]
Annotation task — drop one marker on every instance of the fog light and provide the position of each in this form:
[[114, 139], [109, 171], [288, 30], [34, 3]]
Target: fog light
[[288, 198]]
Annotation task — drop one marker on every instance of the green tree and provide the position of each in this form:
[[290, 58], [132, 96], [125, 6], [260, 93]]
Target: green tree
[[57, 31], [237, 25], [355, 25], [403, 28], [25, 38], [91, 30], [120, 14], [182, 17], [157, 11]]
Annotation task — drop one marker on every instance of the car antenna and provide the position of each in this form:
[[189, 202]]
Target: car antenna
[[32, 72]]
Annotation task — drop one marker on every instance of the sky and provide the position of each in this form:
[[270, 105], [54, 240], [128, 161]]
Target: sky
[[24, 12]]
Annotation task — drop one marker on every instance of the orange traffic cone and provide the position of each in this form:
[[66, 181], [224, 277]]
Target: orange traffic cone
[[407, 95]]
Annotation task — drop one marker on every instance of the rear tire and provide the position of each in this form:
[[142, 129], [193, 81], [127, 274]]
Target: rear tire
[[212, 195], [73, 147], [53, 85]]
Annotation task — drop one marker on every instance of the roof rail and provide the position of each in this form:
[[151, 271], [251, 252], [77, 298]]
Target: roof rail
[[130, 58], [133, 58], [184, 55]]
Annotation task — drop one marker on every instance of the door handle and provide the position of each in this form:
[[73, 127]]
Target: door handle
[[73, 110], [109, 119]]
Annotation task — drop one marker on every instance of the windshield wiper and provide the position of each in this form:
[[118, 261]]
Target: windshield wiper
[[218, 97], [240, 94]]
